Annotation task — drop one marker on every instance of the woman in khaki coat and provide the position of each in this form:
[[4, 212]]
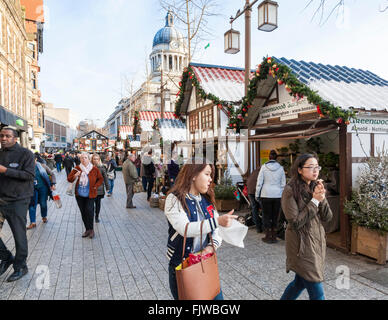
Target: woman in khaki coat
[[305, 208]]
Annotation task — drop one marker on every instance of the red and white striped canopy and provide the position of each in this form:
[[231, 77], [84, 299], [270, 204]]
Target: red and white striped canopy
[[152, 115]]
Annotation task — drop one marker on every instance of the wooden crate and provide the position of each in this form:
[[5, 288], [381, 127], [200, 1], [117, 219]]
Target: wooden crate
[[227, 205], [154, 202], [370, 243]]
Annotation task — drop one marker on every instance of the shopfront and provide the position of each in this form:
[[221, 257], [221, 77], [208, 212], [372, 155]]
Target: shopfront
[[93, 141]]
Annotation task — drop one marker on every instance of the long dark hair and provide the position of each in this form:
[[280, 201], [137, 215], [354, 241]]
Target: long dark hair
[[297, 183], [184, 181]]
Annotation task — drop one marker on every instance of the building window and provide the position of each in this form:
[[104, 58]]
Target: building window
[[193, 122], [31, 46], [33, 80], [207, 119], [39, 120]]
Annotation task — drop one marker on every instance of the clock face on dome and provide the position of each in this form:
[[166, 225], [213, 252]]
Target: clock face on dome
[[174, 45]]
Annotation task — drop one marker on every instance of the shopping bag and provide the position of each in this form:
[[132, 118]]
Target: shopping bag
[[234, 234], [199, 281], [71, 188], [137, 187]]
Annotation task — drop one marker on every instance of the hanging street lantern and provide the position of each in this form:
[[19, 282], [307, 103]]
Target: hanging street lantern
[[232, 41], [268, 16]]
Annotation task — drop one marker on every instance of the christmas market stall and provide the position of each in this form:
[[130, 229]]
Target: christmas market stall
[[92, 141], [207, 95], [339, 113]]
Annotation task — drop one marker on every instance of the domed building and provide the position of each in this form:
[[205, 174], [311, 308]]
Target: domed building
[[169, 49]]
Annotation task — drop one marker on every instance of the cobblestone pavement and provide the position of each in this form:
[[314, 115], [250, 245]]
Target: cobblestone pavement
[[126, 259]]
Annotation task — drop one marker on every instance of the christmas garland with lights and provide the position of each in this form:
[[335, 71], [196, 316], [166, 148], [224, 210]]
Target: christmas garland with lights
[[268, 67]]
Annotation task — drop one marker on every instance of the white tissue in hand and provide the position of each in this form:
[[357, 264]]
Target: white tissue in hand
[[234, 234]]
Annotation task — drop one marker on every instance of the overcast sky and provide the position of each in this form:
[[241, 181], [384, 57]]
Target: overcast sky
[[93, 47]]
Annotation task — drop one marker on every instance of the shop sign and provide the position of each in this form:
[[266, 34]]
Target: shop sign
[[135, 144], [368, 125], [286, 110], [52, 144], [264, 156]]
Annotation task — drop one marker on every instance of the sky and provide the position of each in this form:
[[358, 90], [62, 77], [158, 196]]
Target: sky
[[94, 49]]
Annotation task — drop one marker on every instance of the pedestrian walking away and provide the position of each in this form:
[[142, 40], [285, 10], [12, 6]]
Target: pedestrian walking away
[[149, 172], [270, 184], [17, 171], [96, 161], [173, 169], [192, 201], [68, 164], [138, 164], [111, 172], [58, 162], [305, 207], [130, 177], [44, 184], [90, 179], [255, 205]]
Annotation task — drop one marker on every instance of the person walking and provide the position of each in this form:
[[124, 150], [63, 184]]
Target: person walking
[[192, 201], [255, 205], [138, 165], [44, 184], [305, 206], [270, 184], [173, 169], [58, 161], [77, 160], [149, 172], [90, 179], [96, 161], [17, 171], [50, 161], [111, 172], [68, 164], [130, 177]]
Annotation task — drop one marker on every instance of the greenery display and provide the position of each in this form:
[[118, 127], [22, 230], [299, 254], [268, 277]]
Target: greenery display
[[136, 123], [368, 206], [225, 189]]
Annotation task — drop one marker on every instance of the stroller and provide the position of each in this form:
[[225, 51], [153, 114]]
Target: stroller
[[248, 220]]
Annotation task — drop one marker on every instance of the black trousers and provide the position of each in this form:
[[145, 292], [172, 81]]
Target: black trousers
[[86, 206], [16, 215], [68, 170], [97, 205], [150, 181], [271, 208]]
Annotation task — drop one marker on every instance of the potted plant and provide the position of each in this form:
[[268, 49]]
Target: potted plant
[[368, 209], [224, 194]]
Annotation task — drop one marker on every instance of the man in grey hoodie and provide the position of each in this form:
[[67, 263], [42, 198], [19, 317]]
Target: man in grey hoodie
[[269, 188]]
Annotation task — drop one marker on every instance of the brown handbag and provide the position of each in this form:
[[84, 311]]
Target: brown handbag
[[199, 281]]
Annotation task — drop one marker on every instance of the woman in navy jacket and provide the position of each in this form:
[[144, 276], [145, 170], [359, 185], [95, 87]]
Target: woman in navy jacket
[[191, 200]]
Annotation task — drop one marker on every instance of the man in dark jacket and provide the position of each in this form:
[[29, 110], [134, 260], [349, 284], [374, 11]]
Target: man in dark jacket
[[255, 206], [173, 169], [58, 161], [17, 172], [149, 172], [68, 163]]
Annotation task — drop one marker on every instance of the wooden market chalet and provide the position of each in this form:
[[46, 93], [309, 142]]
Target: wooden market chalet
[[291, 106]]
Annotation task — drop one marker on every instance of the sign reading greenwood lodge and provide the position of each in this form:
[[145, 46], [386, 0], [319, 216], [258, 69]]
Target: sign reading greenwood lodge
[[368, 125]]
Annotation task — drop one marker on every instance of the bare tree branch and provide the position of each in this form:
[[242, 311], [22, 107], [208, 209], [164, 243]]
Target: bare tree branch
[[321, 9]]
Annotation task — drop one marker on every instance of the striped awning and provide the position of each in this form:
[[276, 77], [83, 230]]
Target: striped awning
[[124, 131], [152, 115]]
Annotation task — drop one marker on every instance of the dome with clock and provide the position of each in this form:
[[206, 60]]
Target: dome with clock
[[169, 49]]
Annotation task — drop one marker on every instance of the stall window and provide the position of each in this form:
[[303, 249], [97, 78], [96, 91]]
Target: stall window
[[194, 122], [207, 119]]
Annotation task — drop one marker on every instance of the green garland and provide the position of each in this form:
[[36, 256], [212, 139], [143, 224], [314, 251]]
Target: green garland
[[268, 67]]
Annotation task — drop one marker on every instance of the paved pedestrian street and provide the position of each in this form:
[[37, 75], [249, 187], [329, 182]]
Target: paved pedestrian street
[[126, 259]]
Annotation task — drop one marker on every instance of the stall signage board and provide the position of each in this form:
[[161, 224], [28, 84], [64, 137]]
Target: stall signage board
[[368, 125], [264, 156], [285, 111]]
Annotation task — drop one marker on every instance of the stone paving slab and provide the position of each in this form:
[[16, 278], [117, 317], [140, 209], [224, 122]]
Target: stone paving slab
[[126, 259]]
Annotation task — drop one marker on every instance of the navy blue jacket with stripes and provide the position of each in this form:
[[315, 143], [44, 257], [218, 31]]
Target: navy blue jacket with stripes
[[178, 218]]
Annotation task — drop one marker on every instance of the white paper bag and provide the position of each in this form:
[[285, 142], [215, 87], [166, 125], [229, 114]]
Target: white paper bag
[[234, 234]]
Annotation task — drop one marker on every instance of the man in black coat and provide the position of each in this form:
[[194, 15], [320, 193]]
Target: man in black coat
[[58, 161], [17, 173], [68, 163]]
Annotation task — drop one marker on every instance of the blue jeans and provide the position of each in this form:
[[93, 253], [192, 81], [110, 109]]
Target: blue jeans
[[39, 197], [59, 166], [295, 288], [174, 286], [111, 185], [144, 182]]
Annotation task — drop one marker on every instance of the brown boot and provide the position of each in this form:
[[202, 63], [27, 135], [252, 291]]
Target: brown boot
[[273, 236], [91, 234], [86, 234], [267, 238], [31, 226]]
